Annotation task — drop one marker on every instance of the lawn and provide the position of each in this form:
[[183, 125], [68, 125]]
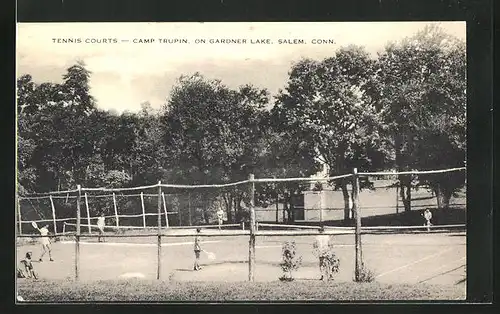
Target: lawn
[[148, 290]]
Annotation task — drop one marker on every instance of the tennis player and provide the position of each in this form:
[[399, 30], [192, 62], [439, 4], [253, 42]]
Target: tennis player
[[322, 244], [101, 222], [220, 217], [45, 241], [428, 217], [25, 268], [197, 250]]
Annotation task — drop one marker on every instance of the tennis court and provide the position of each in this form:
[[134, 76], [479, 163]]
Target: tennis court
[[418, 257]]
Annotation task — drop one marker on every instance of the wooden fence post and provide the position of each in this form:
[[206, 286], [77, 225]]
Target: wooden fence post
[[251, 244], [77, 237], [357, 214], [53, 213], [116, 210], [143, 211], [160, 195], [88, 212], [19, 215], [165, 209]]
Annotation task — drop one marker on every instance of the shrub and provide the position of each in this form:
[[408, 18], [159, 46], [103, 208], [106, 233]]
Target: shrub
[[366, 275], [290, 261], [331, 263]]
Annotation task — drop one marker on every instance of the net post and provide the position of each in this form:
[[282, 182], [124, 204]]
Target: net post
[[116, 210], [88, 212], [64, 228], [20, 221], [251, 244], [77, 236], [143, 211], [160, 195], [357, 213], [53, 213], [165, 209]]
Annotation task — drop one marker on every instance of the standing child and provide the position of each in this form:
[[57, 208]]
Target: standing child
[[220, 217], [322, 245], [197, 250], [45, 241], [101, 222]]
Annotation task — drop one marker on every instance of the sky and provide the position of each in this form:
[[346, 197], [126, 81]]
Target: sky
[[126, 73]]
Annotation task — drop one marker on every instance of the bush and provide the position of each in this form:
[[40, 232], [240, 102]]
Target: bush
[[290, 261], [332, 264], [366, 275], [329, 262]]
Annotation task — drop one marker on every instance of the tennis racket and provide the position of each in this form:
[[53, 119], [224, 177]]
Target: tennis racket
[[34, 225]]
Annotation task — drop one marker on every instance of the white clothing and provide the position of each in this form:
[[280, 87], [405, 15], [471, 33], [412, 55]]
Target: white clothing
[[101, 222], [428, 215], [220, 215], [322, 242], [44, 240]]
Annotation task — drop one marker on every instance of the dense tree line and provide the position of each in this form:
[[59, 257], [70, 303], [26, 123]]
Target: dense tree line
[[403, 109]]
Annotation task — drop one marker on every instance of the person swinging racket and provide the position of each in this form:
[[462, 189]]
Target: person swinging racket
[[45, 241]]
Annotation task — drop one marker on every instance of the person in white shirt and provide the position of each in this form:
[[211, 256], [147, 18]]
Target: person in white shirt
[[45, 241], [322, 246], [101, 222], [428, 216], [220, 217]]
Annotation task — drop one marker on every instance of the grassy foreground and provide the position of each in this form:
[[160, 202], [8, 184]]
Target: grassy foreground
[[140, 290]]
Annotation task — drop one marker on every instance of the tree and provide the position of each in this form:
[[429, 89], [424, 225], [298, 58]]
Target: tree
[[423, 102], [212, 131], [77, 90], [327, 103], [283, 156], [56, 117]]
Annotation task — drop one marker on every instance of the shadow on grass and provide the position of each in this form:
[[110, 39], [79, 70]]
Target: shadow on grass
[[450, 216], [229, 262]]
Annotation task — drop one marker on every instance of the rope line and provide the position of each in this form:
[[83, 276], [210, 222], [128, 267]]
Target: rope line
[[234, 184]]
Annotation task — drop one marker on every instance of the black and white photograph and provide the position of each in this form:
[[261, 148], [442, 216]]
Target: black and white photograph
[[241, 161]]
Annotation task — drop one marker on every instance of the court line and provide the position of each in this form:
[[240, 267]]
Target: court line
[[134, 244], [413, 263], [441, 267]]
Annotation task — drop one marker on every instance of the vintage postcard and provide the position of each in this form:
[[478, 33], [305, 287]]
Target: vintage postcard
[[215, 162]]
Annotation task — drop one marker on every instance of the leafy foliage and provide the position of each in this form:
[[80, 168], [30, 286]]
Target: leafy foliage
[[212, 132], [366, 275], [290, 261], [328, 105], [422, 100]]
